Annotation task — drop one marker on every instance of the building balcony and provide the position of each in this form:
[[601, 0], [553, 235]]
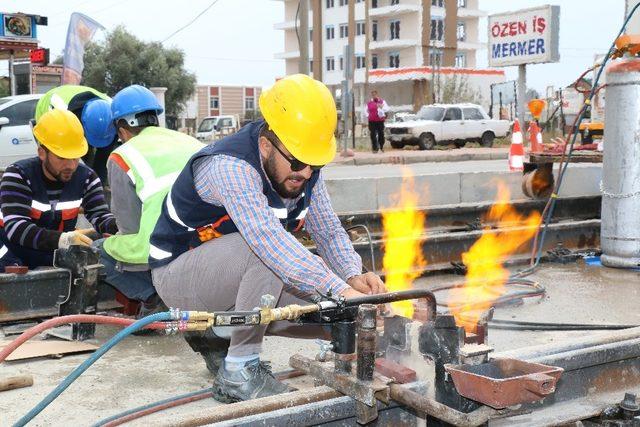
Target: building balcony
[[464, 12], [469, 45], [287, 25], [287, 55], [392, 44], [394, 10]]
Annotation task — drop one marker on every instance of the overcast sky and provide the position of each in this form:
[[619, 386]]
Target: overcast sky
[[234, 41]]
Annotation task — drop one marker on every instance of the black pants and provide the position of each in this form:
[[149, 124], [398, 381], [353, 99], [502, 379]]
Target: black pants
[[376, 132]]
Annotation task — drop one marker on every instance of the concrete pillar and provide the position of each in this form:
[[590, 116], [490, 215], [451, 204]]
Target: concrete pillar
[[450, 33], [159, 93]]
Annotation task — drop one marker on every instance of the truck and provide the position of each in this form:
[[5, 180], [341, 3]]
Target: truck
[[447, 123], [213, 128]]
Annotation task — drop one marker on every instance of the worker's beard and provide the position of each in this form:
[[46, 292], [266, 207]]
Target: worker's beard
[[280, 184], [63, 175]]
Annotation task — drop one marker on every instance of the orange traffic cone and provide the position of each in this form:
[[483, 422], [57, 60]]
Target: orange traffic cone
[[516, 152], [535, 137]]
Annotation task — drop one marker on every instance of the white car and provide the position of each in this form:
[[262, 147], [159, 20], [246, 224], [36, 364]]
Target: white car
[[16, 138], [447, 123]]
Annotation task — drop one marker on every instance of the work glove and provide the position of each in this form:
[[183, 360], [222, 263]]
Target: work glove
[[75, 237]]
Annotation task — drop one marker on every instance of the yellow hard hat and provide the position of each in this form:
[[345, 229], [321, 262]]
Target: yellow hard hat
[[302, 113], [61, 132]]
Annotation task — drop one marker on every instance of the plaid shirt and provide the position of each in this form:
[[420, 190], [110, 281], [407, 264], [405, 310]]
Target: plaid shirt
[[233, 183]]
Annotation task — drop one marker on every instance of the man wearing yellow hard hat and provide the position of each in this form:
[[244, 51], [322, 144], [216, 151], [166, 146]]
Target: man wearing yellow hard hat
[[40, 197], [223, 238]]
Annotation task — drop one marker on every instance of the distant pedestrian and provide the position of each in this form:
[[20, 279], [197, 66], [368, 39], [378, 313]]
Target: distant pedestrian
[[377, 109]]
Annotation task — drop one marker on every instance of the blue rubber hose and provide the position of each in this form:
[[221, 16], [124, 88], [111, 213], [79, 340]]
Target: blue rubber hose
[[158, 317]]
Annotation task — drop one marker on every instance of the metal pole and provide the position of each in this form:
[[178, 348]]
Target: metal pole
[[12, 75], [500, 112], [366, 357], [522, 89], [491, 106], [346, 99], [303, 64]]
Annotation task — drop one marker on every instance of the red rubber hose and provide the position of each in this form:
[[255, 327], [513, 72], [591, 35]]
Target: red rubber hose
[[74, 318], [158, 408]]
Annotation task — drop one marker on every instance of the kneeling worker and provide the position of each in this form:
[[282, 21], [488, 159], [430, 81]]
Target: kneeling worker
[[141, 172], [235, 203], [40, 197]]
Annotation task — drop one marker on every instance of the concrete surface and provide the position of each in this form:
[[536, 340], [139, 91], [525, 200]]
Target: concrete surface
[[147, 369], [410, 156], [374, 187]]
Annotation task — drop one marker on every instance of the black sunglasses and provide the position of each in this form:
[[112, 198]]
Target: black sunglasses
[[296, 165]]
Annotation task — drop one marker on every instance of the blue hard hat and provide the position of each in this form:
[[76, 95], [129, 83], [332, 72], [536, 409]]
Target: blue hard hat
[[132, 100], [97, 123]]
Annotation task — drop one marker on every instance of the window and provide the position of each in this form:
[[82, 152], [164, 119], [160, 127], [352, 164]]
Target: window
[[437, 29], [435, 57], [374, 61], [374, 3], [461, 60], [394, 60], [344, 2], [249, 103], [341, 61], [311, 66], [329, 4], [461, 32], [453, 114], [472, 114], [395, 2], [19, 114], [394, 29], [344, 31], [462, 3], [330, 32], [374, 30], [360, 61], [431, 113], [437, 3], [214, 102], [331, 63], [310, 34], [360, 28]]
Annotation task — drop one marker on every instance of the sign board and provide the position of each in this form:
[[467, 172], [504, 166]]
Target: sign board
[[40, 56], [17, 26], [527, 36]]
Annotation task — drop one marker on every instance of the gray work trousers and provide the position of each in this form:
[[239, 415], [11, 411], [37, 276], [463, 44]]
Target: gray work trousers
[[224, 274]]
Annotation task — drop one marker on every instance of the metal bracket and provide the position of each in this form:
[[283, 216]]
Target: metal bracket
[[367, 392]]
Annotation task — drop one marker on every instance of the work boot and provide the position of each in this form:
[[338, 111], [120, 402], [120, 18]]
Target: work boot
[[151, 306], [211, 347], [253, 381]]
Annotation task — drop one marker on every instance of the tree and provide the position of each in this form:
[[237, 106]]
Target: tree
[[531, 94], [122, 60], [456, 90]]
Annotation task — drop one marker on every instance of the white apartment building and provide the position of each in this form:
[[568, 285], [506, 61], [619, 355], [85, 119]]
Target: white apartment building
[[400, 46]]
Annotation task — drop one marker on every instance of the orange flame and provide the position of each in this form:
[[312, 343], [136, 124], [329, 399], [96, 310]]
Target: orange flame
[[486, 276], [403, 226]]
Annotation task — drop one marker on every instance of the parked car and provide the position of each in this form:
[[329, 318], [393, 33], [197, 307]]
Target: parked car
[[445, 124], [215, 127], [16, 138]]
